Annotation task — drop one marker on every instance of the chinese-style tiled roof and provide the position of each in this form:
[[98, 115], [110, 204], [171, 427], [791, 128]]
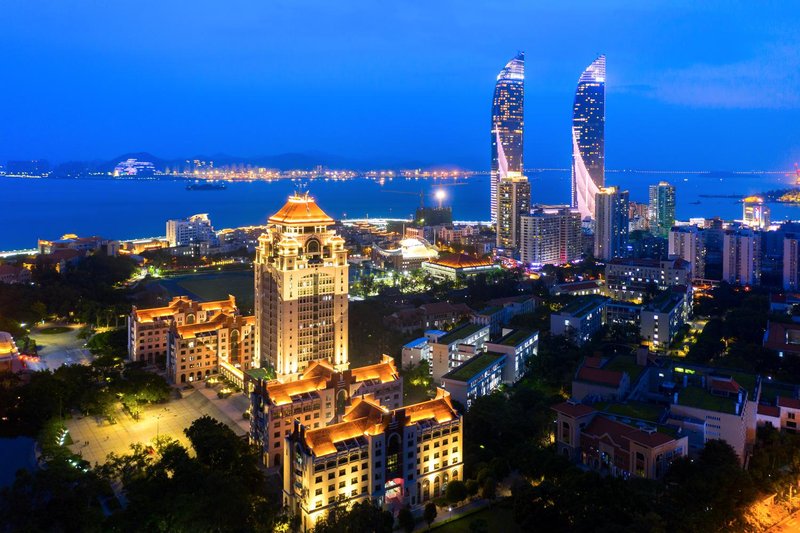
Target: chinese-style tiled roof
[[385, 371], [300, 209], [611, 378], [619, 434], [724, 385], [769, 410], [461, 261], [790, 403], [366, 417], [778, 337], [181, 303]]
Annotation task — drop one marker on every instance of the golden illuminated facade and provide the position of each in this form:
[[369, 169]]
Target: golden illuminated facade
[[317, 399], [301, 282], [514, 201], [225, 344], [148, 329], [397, 458]]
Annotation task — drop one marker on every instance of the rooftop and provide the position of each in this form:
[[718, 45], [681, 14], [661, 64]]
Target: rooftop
[[625, 363], [473, 366], [700, 398], [516, 337], [461, 261], [300, 209], [665, 302], [459, 333], [583, 305], [639, 410], [572, 409], [366, 417]]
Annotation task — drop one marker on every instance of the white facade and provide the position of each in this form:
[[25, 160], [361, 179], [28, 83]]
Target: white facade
[[193, 230], [741, 257], [550, 236]]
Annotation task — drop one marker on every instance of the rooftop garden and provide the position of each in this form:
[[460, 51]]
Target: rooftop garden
[[702, 399], [473, 367], [639, 410], [515, 337]]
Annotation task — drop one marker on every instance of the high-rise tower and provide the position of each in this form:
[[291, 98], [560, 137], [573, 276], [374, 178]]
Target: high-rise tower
[[588, 137], [514, 201], [507, 125], [301, 275], [661, 210], [611, 224]]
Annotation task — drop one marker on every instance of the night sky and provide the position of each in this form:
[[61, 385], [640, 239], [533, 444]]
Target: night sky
[[709, 85]]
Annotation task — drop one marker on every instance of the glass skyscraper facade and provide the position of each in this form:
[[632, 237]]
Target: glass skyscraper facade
[[661, 210], [588, 137], [507, 126]]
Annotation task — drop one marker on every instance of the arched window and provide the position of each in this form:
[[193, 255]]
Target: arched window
[[341, 401], [190, 318], [436, 487], [312, 247], [233, 353]]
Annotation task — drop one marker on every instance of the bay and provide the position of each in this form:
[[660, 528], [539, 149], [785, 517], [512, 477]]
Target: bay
[[125, 209]]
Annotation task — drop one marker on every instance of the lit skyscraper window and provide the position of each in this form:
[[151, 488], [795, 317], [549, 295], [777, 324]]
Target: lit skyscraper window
[[507, 125], [588, 137]]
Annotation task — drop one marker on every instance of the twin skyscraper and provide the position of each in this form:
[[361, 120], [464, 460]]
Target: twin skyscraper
[[510, 189]]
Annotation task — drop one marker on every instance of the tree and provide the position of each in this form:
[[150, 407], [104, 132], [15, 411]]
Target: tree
[[456, 491], [430, 513], [362, 516], [405, 519], [489, 489]]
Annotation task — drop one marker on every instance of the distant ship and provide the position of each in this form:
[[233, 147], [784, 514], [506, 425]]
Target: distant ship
[[208, 186]]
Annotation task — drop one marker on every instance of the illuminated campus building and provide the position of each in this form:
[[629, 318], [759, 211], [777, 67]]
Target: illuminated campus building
[[588, 137], [225, 344], [398, 457], [507, 126], [301, 290], [148, 329], [318, 399]]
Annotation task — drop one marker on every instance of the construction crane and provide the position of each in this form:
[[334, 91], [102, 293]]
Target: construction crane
[[439, 194]]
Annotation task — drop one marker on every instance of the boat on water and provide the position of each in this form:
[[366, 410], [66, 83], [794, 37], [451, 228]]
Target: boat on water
[[208, 186]]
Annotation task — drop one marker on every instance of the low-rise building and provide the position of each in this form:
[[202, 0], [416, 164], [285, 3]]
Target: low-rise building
[[662, 319], [401, 457], [632, 279], [319, 398], [783, 337], [716, 406], [454, 348], [608, 445], [478, 376], [226, 343], [518, 346], [580, 319], [500, 311], [148, 328], [84, 245], [407, 255], [598, 380], [433, 315], [14, 274], [9, 354], [458, 267], [580, 288]]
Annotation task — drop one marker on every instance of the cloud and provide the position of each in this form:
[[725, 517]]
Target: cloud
[[770, 81]]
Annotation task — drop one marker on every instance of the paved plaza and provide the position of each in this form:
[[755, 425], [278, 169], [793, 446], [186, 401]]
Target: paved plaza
[[58, 349], [94, 440]]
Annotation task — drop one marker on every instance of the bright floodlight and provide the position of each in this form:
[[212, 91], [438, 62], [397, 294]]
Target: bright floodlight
[[440, 195]]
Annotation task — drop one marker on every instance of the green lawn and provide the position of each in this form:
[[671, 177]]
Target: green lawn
[[497, 518], [702, 399], [215, 286]]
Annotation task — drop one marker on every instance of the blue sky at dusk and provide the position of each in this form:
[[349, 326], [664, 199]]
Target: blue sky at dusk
[[691, 85]]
